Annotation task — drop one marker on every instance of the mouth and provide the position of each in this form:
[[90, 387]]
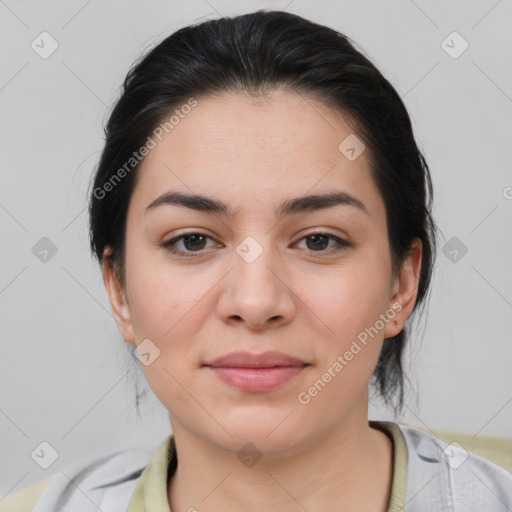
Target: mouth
[[256, 372]]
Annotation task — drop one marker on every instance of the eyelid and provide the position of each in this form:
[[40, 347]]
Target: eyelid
[[325, 231]]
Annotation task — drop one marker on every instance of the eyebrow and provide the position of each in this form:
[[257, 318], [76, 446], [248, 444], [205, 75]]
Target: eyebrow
[[289, 207]]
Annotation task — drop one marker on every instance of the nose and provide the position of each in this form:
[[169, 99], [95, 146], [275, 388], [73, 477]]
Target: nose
[[256, 293]]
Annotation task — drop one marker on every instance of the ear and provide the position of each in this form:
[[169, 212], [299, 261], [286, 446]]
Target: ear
[[405, 289], [118, 301]]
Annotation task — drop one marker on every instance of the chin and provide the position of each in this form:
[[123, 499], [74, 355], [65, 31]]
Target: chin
[[267, 429]]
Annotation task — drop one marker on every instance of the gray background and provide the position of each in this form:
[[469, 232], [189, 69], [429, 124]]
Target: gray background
[[65, 376]]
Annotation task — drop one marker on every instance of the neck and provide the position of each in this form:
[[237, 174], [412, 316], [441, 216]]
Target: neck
[[348, 469]]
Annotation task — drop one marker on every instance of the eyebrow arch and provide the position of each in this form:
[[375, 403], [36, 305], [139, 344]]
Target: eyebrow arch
[[288, 207]]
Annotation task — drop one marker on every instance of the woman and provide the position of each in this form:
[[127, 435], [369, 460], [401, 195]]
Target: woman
[[262, 217]]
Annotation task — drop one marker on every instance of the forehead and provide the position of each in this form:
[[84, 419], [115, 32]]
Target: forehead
[[232, 144], [285, 126]]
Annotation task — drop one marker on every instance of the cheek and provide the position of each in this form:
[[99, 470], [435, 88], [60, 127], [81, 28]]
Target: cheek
[[349, 308], [349, 305], [163, 306], [347, 300], [164, 309], [151, 307], [160, 295]]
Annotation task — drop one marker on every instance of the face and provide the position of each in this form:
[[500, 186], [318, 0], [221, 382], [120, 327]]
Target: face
[[310, 279]]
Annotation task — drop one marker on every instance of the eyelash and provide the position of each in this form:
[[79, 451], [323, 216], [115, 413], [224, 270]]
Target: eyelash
[[170, 244]]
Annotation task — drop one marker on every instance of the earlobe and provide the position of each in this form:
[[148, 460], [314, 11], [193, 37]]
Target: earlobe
[[118, 302], [405, 289]]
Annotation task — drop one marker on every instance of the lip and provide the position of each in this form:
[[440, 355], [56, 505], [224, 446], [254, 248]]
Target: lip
[[249, 360], [256, 372]]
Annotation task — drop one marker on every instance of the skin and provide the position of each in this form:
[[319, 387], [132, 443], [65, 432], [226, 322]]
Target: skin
[[252, 155]]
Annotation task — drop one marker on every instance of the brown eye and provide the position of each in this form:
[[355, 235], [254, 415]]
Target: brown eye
[[319, 242], [192, 244]]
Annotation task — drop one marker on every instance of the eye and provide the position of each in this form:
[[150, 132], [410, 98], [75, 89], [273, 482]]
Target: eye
[[192, 243], [318, 242]]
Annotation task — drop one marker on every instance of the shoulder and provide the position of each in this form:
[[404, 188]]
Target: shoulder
[[98, 482], [441, 474]]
